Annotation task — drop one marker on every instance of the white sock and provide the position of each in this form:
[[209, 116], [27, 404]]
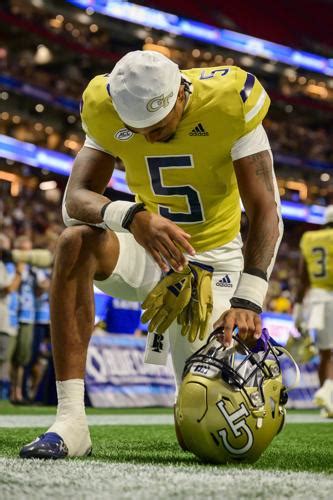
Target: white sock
[[71, 421]]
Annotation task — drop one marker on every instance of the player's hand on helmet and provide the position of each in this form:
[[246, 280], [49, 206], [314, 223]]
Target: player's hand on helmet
[[167, 299], [163, 239], [247, 321], [195, 316]]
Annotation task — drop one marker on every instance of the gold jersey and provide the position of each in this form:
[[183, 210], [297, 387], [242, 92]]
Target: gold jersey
[[317, 249], [189, 179]]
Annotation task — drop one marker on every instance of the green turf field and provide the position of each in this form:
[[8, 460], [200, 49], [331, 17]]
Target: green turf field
[[144, 461]]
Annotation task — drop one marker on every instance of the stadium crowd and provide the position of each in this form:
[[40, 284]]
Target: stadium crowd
[[94, 43]]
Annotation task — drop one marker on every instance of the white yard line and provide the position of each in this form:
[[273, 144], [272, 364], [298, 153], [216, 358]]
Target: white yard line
[[46, 420], [138, 419], [121, 481]]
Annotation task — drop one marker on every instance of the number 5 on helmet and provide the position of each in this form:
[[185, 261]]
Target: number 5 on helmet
[[167, 299]]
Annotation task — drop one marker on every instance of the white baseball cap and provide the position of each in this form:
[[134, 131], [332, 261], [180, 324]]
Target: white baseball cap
[[144, 87], [329, 214]]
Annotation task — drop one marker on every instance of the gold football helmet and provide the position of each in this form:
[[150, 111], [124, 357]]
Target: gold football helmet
[[231, 402]]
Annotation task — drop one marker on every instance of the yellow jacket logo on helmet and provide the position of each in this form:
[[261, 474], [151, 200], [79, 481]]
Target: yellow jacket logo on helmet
[[236, 428], [159, 102]]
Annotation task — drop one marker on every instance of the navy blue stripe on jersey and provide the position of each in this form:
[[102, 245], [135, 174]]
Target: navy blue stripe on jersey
[[108, 89], [248, 86]]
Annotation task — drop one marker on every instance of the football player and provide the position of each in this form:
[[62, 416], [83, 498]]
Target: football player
[[193, 144], [314, 303]]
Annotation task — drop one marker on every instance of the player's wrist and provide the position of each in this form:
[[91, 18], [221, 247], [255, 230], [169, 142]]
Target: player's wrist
[[250, 292], [131, 215], [117, 215]]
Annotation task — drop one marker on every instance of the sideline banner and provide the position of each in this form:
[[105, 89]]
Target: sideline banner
[[301, 397], [117, 376]]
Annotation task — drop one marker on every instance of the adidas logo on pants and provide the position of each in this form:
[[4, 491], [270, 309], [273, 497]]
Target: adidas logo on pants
[[225, 282]]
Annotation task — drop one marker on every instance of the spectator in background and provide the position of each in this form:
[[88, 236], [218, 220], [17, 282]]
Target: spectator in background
[[10, 280], [26, 318], [41, 335]]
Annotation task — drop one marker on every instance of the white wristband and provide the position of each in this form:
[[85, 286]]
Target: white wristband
[[251, 288], [115, 213]]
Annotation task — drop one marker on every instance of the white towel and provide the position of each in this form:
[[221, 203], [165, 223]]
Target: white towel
[[157, 348]]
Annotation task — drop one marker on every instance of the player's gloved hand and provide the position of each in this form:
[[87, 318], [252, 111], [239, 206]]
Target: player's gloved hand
[[195, 316], [167, 299]]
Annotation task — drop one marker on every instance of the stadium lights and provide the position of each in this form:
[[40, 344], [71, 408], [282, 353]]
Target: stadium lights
[[47, 185], [298, 186], [43, 55], [177, 25], [39, 108], [317, 90], [325, 177], [14, 181]]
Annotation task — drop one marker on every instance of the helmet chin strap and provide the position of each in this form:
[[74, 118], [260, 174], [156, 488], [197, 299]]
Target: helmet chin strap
[[282, 350]]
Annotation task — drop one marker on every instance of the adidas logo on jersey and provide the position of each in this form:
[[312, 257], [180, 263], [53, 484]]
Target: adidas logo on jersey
[[225, 281], [198, 130]]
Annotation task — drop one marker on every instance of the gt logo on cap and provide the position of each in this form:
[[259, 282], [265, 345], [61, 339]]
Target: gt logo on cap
[[158, 102]]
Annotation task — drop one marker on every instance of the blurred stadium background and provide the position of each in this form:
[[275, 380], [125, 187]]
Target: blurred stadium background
[[50, 49]]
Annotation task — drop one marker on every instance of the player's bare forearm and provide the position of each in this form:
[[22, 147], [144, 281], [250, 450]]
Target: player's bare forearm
[[261, 241], [91, 172], [256, 185]]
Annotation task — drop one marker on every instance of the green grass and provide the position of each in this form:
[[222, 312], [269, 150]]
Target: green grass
[[300, 447], [145, 462]]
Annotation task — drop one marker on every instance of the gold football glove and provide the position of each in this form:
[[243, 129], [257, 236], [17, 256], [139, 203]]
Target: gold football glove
[[195, 316], [167, 299]]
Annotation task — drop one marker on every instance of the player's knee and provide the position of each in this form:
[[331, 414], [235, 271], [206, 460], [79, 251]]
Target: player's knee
[[77, 240]]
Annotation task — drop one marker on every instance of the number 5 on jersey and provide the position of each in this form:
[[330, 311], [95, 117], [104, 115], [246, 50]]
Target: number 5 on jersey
[[156, 164]]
